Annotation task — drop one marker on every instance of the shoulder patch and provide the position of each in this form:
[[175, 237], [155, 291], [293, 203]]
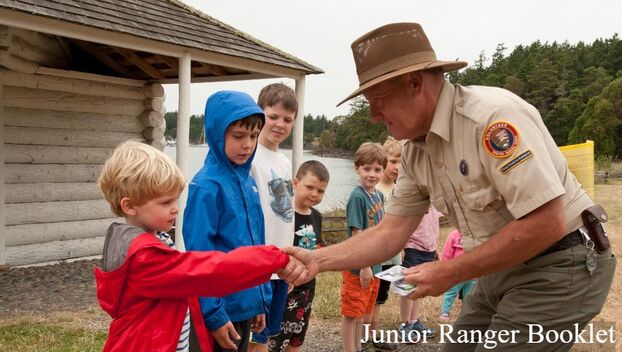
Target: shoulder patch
[[500, 139], [510, 165]]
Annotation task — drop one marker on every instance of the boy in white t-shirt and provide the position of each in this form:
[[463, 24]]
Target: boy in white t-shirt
[[272, 172]]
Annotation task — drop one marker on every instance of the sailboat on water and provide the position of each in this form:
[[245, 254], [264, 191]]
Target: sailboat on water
[[202, 138]]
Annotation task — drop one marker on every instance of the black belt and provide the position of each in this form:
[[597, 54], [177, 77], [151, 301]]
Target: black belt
[[572, 239]]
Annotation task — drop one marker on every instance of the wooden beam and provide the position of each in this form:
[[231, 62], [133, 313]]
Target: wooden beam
[[47, 154], [33, 53], [152, 118], [155, 104], [173, 62], [25, 117], [104, 59], [19, 235], [51, 44], [53, 100], [132, 57], [51, 192], [55, 250], [202, 71], [154, 90], [66, 137], [71, 85], [216, 70], [16, 63], [169, 72], [89, 76], [41, 173], [154, 133], [242, 77], [43, 212], [6, 36]]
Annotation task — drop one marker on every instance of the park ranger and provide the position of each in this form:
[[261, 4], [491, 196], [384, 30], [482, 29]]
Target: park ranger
[[484, 158]]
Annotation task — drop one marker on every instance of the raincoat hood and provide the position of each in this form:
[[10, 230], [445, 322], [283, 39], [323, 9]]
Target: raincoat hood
[[221, 110], [116, 251]]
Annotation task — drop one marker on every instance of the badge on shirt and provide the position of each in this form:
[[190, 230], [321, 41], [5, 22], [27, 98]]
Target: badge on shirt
[[500, 139], [510, 165], [464, 167]]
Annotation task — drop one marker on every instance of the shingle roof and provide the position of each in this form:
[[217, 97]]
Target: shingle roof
[[168, 21]]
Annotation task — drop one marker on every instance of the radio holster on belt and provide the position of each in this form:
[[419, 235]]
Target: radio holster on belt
[[592, 219]]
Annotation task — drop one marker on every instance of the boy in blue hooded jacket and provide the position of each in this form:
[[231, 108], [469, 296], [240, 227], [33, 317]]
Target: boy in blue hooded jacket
[[223, 212]]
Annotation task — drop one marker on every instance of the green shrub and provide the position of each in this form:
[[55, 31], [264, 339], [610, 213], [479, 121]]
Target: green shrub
[[604, 162]]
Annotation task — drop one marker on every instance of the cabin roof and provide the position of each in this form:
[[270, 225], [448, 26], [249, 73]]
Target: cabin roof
[[166, 21]]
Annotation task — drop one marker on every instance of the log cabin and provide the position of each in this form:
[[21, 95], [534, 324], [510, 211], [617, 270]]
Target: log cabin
[[79, 77]]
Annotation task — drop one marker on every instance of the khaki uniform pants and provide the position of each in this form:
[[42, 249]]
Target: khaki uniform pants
[[554, 291]]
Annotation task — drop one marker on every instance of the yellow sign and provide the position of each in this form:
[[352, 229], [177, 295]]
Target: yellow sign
[[580, 159]]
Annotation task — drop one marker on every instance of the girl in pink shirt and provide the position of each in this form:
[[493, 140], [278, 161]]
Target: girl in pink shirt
[[421, 248], [452, 249]]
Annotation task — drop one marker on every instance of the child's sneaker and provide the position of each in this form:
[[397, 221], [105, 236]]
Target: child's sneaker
[[444, 317], [418, 326], [405, 327], [385, 346], [368, 346]]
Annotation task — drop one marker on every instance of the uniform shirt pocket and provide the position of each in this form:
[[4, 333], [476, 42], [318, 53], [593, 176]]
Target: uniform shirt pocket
[[485, 210], [477, 198]]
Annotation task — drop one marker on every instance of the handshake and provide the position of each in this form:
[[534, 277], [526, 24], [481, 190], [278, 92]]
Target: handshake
[[301, 267]]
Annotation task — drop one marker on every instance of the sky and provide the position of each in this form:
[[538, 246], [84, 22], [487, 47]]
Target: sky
[[320, 32]]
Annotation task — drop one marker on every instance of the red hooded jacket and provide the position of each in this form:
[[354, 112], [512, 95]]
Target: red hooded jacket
[[149, 294]]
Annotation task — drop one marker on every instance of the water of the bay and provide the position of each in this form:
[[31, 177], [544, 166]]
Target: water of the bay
[[342, 176]]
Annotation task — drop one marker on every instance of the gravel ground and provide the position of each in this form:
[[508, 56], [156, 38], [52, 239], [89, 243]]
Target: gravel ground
[[64, 293], [68, 287]]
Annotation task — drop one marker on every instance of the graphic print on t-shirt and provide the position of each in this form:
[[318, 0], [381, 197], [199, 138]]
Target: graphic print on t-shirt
[[281, 193], [308, 239]]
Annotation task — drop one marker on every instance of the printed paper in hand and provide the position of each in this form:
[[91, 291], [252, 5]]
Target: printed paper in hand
[[394, 273], [402, 288], [395, 276]]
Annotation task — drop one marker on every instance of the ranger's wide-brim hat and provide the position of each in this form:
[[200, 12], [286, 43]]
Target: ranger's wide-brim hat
[[392, 50]]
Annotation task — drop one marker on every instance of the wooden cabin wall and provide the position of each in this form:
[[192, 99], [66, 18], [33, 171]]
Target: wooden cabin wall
[[58, 129], [2, 212]]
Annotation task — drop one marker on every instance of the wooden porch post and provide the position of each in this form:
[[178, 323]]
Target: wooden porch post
[[298, 143], [183, 135]]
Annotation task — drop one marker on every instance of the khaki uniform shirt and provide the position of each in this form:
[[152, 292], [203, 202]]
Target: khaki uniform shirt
[[487, 160]]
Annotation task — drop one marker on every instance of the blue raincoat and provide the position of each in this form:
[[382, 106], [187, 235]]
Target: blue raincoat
[[223, 211]]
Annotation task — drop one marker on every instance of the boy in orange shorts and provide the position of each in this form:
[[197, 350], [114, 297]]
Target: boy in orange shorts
[[365, 209]]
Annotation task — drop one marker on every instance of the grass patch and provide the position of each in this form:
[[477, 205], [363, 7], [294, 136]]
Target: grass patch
[[41, 337]]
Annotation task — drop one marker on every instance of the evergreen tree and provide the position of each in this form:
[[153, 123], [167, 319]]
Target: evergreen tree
[[602, 121]]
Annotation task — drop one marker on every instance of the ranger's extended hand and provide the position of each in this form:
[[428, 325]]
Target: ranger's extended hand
[[304, 257]]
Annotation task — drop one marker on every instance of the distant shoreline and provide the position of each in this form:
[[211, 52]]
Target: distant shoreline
[[333, 153]]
